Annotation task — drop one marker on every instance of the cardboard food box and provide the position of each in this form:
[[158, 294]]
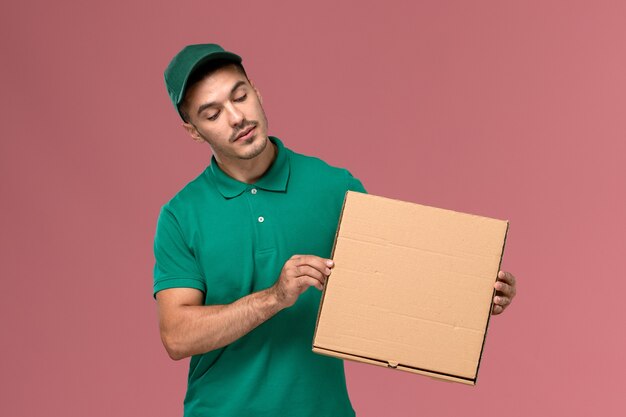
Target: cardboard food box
[[412, 287]]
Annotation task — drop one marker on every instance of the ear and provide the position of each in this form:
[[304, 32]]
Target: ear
[[256, 90], [193, 132]]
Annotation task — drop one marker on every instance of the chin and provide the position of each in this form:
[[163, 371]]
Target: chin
[[257, 146]]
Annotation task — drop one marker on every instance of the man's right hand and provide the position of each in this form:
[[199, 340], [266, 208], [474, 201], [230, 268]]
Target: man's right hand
[[298, 274], [188, 327]]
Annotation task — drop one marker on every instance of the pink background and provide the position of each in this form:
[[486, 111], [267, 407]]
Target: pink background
[[513, 110]]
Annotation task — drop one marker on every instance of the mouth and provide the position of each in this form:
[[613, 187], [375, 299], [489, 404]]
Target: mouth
[[246, 134]]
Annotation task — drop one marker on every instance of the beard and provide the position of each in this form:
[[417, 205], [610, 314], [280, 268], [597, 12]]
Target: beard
[[255, 149], [249, 148]]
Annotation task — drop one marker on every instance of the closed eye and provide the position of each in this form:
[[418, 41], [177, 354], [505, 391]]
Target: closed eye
[[240, 99]]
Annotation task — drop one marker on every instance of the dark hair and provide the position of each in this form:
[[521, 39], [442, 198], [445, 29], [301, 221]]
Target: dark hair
[[203, 71]]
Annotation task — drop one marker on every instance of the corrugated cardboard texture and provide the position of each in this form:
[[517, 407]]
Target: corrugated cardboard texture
[[411, 288]]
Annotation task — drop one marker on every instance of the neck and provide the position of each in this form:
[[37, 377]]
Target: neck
[[250, 170]]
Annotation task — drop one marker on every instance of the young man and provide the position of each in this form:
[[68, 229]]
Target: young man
[[238, 248]]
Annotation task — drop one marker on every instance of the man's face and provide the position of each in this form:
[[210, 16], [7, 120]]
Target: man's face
[[225, 110]]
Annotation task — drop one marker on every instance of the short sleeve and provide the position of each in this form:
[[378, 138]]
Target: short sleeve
[[175, 264], [354, 184]]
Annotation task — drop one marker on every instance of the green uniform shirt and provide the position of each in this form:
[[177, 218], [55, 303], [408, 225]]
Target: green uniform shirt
[[228, 239]]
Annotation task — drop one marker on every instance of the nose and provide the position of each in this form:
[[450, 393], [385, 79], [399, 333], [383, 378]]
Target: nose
[[235, 115]]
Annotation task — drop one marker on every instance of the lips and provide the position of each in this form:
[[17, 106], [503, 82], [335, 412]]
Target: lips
[[245, 133]]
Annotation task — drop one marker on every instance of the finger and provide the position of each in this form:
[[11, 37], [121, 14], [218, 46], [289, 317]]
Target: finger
[[497, 309], [316, 261], [501, 300], [307, 281], [506, 277], [504, 289], [321, 264], [306, 270]]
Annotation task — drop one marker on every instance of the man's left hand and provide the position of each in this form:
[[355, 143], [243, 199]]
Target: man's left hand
[[505, 292]]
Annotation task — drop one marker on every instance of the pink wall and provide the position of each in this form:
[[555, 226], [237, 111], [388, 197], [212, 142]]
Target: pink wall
[[507, 109]]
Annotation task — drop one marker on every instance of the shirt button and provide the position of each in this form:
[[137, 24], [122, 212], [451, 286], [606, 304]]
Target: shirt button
[[253, 191], [261, 219]]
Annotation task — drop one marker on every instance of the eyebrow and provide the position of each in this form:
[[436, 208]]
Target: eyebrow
[[205, 106]]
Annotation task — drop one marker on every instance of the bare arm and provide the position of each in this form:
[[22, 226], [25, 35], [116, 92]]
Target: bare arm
[[188, 327]]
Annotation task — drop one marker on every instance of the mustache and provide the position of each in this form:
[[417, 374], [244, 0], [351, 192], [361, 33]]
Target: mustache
[[241, 129]]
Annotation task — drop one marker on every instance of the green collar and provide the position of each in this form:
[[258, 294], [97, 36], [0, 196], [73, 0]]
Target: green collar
[[274, 179]]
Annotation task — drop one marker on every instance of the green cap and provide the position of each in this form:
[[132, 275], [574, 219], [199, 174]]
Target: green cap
[[186, 62]]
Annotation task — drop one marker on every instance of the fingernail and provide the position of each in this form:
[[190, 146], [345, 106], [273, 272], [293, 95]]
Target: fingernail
[[327, 271], [329, 262]]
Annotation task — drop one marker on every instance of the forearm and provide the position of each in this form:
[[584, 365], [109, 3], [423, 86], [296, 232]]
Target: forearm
[[200, 329]]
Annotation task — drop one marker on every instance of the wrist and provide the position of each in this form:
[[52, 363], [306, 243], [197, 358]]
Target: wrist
[[272, 300]]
